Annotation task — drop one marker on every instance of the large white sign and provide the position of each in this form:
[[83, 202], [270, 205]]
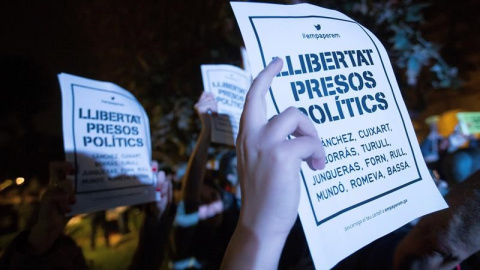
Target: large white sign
[[339, 75], [229, 85], [107, 138]]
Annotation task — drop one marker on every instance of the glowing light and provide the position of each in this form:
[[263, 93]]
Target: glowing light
[[6, 184], [20, 180]]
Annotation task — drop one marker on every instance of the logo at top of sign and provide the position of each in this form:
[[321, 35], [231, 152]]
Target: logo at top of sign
[[319, 36]]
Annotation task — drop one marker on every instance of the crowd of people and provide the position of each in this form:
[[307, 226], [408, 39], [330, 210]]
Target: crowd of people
[[450, 154], [234, 220]]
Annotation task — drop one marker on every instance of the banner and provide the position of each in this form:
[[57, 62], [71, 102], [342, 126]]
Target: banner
[[338, 74], [107, 138], [229, 85]]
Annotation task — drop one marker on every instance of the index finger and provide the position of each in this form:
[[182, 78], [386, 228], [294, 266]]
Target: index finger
[[255, 109]]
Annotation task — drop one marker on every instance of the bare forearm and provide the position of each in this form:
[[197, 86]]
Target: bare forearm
[[248, 250], [193, 179]]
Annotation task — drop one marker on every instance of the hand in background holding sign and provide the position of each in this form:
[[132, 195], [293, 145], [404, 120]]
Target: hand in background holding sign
[[269, 165], [106, 134], [164, 192], [56, 203], [205, 107]]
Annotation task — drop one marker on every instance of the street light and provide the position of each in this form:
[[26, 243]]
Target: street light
[[20, 180]]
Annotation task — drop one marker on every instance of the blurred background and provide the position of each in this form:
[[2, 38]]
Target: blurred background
[[155, 49]]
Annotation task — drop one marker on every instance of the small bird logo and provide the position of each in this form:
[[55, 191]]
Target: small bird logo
[[318, 27]]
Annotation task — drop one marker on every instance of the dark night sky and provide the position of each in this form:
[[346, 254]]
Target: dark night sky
[[38, 41], [120, 42]]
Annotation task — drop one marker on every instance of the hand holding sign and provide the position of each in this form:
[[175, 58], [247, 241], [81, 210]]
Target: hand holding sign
[[165, 194], [106, 134], [268, 166], [339, 74], [229, 85], [56, 202], [205, 106]]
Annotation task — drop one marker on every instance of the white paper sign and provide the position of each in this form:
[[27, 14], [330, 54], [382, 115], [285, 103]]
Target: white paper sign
[[229, 85], [107, 138], [339, 74]]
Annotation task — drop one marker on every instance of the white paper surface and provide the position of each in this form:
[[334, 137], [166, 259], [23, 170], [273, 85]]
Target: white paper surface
[[340, 74], [229, 85], [107, 138]]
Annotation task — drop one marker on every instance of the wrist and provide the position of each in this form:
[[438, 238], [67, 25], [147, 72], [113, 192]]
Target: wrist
[[252, 249], [207, 120], [262, 235], [206, 129], [266, 224]]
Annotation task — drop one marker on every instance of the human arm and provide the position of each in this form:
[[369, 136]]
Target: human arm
[[153, 238], [187, 214], [269, 166], [444, 239], [193, 179], [45, 246], [56, 202]]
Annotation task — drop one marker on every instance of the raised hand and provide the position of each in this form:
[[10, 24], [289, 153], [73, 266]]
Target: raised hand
[[269, 166], [56, 203], [205, 107]]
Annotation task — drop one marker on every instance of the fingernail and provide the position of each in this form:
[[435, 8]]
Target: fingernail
[[275, 59], [158, 189], [154, 169]]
